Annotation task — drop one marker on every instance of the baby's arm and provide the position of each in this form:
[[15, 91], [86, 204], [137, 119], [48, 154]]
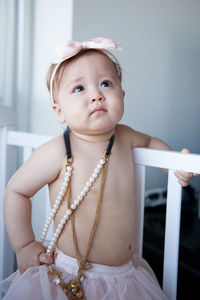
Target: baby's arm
[[142, 140], [42, 168], [182, 176]]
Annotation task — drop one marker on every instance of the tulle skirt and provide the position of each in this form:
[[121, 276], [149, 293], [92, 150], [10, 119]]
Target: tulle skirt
[[134, 280]]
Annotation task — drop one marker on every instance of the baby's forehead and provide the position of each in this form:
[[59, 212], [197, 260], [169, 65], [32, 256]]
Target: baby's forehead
[[90, 59]]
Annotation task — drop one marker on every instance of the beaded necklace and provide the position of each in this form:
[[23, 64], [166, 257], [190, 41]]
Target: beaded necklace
[[73, 289]]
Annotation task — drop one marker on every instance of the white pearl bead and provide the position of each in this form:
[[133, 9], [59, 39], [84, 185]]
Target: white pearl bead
[[66, 180], [61, 194], [94, 175], [91, 180], [66, 216], [99, 166], [89, 184], [62, 189], [62, 221], [48, 251], [51, 215], [73, 206], [86, 189], [59, 198], [76, 202], [69, 168], [64, 185], [51, 243], [45, 230], [57, 233], [53, 210], [69, 212], [57, 202], [60, 226], [79, 198], [102, 162]]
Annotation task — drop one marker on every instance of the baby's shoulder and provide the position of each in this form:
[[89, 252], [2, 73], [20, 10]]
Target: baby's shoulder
[[129, 135], [124, 129], [124, 132], [52, 151], [55, 143]]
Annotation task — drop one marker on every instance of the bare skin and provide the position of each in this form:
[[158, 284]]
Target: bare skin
[[115, 239]]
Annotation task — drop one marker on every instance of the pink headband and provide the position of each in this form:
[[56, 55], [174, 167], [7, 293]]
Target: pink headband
[[69, 49]]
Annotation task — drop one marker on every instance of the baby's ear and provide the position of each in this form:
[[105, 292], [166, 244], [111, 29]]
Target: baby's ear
[[59, 114]]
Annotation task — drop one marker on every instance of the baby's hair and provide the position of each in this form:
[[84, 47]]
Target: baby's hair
[[59, 73]]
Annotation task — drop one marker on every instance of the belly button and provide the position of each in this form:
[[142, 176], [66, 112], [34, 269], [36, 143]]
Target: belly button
[[129, 247]]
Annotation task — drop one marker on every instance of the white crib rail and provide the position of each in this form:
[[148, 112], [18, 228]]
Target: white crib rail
[[143, 157]]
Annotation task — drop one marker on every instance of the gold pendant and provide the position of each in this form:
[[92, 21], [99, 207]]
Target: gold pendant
[[73, 289]]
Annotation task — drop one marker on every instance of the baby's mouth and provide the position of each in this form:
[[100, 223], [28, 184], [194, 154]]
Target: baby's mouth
[[98, 110]]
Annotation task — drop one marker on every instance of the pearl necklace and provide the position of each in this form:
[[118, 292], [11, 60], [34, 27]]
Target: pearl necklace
[[73, 206], [73, 289]]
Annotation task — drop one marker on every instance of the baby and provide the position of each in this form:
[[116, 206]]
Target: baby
[[91, 255]]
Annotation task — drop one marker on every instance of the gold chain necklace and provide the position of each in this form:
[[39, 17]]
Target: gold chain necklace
[[73, 289]]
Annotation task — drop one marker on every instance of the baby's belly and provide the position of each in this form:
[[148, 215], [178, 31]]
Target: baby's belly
[[114, 239]]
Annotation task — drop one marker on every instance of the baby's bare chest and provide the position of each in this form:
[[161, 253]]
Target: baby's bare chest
[[116, 214], [118, 187]]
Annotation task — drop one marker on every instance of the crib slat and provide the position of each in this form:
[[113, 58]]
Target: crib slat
[[139, 182], [6, 252], [172, 233], [3, 135], [27, 151]]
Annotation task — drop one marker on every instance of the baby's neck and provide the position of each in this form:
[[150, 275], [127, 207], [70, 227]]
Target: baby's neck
[[94, 138]]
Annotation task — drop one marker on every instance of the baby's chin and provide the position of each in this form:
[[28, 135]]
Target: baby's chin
[[99, 131]]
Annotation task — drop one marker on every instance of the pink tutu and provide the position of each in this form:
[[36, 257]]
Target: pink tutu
[[130, 281]]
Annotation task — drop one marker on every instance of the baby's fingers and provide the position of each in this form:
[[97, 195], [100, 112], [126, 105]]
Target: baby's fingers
[[183, 177], [185, 150], [45, 259]]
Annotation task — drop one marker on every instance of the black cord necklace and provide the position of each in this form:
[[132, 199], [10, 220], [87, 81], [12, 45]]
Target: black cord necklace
[[68, 145]]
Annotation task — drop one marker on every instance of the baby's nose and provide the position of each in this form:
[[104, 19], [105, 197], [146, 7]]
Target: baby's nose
[[97, 96]]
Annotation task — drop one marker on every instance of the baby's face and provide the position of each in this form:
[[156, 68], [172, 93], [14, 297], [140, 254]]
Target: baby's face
[[90, 98]]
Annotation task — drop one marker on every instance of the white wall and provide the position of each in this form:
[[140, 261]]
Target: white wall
[[52, 24], [161, 63], [8, 30]]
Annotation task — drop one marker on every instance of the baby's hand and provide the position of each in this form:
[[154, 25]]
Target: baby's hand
[[31, 255], [184, 177]]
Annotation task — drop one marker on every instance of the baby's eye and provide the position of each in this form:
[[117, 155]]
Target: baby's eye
[[106, 83], [78, 89]]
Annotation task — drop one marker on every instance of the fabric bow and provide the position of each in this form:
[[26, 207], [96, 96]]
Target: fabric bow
[[71, 48]]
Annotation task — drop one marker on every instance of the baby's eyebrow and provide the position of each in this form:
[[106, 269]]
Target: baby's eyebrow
[[108, 75], [75, 80]]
